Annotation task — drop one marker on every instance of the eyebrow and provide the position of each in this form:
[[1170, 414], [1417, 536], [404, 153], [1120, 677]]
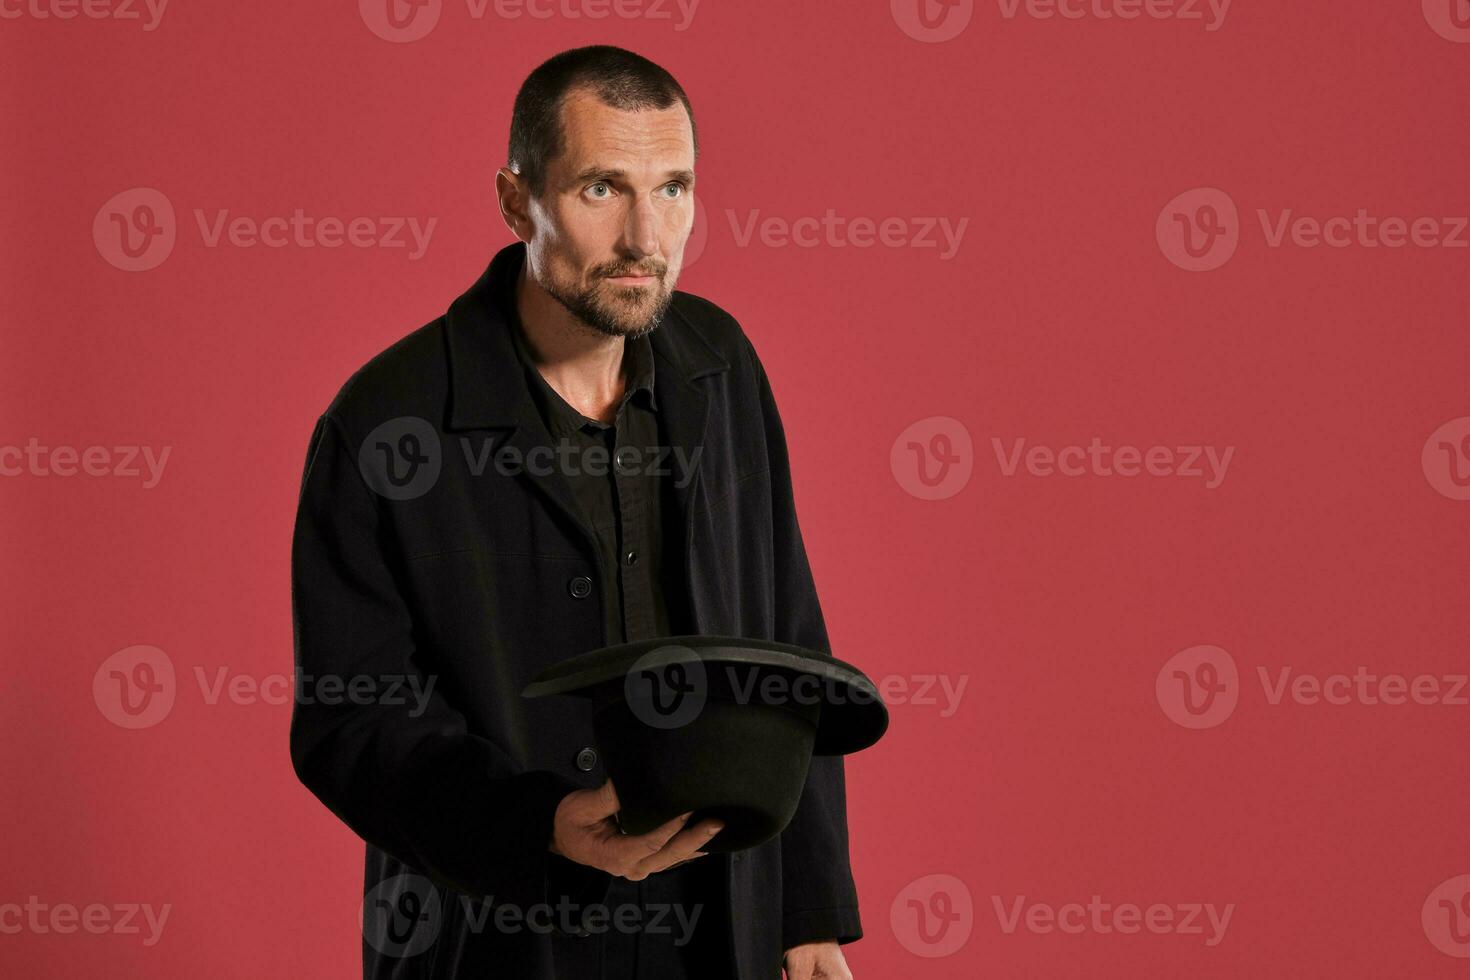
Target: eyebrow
[[594, 173]]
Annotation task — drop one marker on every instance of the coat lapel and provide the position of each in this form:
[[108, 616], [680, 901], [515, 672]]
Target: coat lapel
[[683, 360], [488, 390]]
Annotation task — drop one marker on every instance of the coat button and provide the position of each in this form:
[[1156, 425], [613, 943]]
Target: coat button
[[630, 558], [580, 587], [586, 759]]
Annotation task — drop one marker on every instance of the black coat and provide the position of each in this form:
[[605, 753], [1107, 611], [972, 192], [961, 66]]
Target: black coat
[[466, 581]]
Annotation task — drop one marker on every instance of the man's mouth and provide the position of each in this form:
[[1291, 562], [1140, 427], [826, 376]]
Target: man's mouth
[[633, 280]]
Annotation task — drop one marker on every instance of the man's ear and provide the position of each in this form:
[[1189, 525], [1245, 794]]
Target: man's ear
[[513, 195]]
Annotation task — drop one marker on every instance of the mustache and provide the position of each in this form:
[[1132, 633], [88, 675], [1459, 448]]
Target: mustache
[[635, 272]]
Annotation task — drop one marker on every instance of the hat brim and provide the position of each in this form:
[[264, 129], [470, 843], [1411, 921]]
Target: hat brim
[[853, 714]]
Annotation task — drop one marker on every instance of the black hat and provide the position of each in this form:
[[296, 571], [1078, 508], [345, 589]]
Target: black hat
[[721, 726]]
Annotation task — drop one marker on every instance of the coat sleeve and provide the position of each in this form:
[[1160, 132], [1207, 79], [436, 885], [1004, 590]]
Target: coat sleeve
[[819, 899], [407, 777]]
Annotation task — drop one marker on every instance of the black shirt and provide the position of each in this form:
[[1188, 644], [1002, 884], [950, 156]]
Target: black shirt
[[618, 475], [622, 481]]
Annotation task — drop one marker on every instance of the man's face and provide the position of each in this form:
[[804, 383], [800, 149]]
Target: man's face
[[609, 229]]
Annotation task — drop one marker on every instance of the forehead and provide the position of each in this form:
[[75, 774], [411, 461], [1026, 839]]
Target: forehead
[[597, 133]]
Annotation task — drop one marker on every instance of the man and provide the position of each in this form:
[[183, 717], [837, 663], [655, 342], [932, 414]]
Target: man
[[575, 455]]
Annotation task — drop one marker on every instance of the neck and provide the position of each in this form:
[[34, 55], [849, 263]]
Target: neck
[[583, 366]]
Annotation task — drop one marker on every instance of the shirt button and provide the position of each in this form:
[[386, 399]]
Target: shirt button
[[631, 558], [626, 460], [580, 587], [587, 759]]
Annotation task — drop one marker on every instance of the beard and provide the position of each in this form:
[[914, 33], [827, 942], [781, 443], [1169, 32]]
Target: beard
[[616, 311]]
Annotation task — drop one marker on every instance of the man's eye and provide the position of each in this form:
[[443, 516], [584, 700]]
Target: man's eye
[[599, 186], [675, 190]]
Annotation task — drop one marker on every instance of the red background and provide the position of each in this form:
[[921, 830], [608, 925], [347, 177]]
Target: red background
[[1057, 600]]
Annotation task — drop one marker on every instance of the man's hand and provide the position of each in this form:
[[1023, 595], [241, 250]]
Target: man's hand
[[816, 961], [584, 831]]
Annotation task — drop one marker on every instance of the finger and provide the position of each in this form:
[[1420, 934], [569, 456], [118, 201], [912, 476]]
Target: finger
[[655, 856], [632, 848], [601, 804], [799, 965], [696, 854], [681, 846]]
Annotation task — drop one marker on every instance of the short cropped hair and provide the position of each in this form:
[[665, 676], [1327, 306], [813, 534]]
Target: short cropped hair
[[617, 77]]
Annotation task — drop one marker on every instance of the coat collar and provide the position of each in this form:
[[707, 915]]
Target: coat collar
[[488, 389], [561, 418]]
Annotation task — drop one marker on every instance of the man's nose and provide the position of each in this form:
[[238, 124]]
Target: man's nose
[[641, 232]]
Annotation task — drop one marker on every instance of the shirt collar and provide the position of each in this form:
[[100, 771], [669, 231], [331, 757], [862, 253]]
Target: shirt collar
[[561, 418], [485, 380]]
